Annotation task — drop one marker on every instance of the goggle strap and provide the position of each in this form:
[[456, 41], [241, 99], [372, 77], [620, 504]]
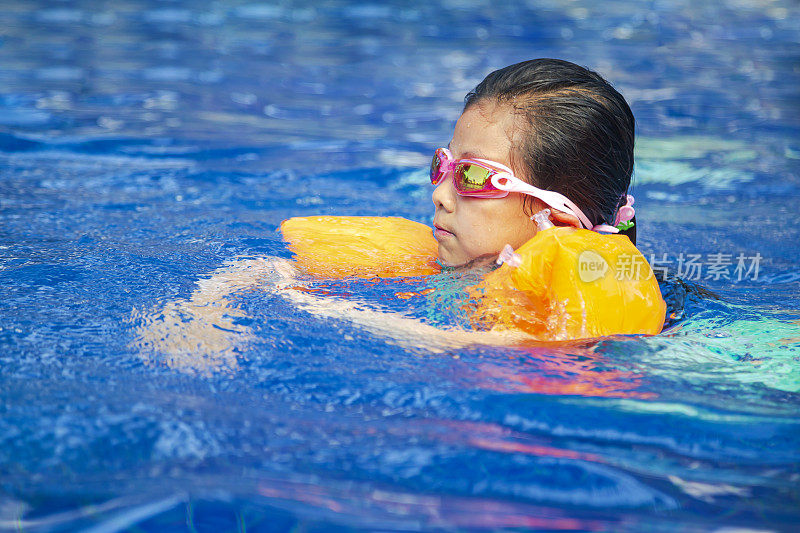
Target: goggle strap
[[551, 198]]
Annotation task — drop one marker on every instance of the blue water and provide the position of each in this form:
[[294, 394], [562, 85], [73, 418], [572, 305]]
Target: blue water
[[146, 145]]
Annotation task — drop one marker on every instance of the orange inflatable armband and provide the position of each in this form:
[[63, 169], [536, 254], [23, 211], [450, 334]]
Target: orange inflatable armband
[[572, 284], [565, 283], [364, 247]]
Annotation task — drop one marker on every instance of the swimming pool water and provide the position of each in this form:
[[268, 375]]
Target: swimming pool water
[[145, 145]]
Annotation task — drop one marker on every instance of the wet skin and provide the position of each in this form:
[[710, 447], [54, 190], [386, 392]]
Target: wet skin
[[467, 228]]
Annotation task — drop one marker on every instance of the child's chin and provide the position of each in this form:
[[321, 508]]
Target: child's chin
[[447, 258]]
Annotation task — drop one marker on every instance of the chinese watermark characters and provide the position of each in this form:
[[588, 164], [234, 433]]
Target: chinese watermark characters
[[713, 266], [688, 266]]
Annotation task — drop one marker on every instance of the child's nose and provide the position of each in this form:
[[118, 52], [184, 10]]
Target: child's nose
[[444, 195]]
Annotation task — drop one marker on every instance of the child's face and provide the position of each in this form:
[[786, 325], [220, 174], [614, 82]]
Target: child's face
[[468, 228]]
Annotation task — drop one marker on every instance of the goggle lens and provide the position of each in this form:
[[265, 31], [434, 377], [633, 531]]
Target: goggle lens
[[437, 172], [471, 179]]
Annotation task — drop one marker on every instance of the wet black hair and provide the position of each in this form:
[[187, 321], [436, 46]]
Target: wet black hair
[[578, 134]]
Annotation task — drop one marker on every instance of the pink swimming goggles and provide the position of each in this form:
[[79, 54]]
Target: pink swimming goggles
[[481, 178]]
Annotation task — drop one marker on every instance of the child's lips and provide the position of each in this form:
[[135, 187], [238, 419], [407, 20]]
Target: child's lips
[[441, 233]]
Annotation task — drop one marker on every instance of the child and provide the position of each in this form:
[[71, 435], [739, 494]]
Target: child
[[541, 133]]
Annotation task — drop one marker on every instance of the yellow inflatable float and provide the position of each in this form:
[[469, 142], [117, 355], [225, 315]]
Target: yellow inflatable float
[[563, 284]]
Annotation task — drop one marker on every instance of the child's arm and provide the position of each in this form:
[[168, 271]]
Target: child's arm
[[200, 334], [399, 329]]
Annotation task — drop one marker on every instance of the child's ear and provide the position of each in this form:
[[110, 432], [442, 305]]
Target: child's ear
[[559, 218]]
